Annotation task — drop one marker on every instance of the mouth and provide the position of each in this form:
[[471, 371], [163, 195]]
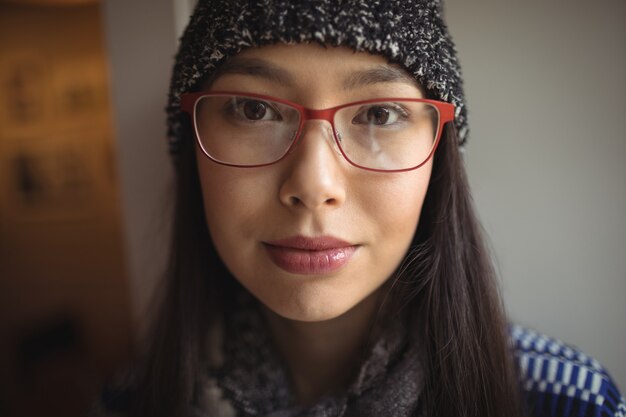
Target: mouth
[[310, 255]]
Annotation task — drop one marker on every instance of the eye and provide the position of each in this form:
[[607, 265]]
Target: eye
[[256, 110], [380, 115]]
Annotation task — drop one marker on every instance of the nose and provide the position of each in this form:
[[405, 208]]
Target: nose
[[313, 177]]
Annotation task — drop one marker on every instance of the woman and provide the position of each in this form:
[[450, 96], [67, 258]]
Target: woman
[[326, 257]]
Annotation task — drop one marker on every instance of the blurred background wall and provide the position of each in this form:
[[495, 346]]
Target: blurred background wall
[[547, 160], [64, 289], [85, 178]]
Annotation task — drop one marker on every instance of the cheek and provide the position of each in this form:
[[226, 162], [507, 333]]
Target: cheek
[[396, 203], [391, 206], [229, 203], [233, 204]]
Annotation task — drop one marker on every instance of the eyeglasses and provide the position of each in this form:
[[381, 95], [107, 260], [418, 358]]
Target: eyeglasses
[[253, 130]]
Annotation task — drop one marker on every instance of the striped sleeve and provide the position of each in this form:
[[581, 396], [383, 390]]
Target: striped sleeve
[[561, 381]]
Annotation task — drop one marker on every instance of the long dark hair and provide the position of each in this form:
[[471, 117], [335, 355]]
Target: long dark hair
[[446, 277]]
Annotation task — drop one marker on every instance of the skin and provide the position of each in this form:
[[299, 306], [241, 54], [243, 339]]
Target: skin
[[318, 322]]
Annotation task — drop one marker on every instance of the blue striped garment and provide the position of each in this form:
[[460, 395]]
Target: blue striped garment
[[560, 380]]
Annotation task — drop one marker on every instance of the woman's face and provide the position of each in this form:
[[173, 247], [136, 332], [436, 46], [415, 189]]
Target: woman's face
[[312, 236]]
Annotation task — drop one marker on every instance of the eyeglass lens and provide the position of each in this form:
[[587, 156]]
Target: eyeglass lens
[[387, 135]]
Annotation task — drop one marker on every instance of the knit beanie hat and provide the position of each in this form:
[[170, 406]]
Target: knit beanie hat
[[410, 33]]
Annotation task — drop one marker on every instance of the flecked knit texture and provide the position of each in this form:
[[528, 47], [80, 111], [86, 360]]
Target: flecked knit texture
[[251, 379], [411, 33]]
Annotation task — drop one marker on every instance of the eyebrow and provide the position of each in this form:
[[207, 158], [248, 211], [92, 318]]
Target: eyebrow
[[376, 75], [260, 68]]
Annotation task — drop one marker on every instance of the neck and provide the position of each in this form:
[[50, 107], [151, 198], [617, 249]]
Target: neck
[[323, 357]]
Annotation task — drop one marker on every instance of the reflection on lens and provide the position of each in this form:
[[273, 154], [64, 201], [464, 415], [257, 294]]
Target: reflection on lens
[[242, 130], [388, 135]]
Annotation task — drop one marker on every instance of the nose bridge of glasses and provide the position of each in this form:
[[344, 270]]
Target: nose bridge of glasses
[[323, 114], [319, 117], [317, 126]]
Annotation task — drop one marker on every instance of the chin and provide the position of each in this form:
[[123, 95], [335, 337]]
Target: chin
[[309, 308], [309, 317]]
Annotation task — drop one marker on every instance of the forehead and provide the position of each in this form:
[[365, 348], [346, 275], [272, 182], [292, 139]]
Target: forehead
[[312, 65]]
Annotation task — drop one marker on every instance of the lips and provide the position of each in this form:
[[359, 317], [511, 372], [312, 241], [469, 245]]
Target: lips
[[310, 256]]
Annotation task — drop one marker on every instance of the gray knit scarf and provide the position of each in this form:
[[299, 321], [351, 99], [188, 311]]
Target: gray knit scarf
[[244, 375]]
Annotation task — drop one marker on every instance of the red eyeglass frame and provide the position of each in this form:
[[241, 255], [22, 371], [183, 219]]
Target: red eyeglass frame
[[190, 100]]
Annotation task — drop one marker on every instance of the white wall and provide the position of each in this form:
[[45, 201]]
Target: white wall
[[547, 160], [141, 44]]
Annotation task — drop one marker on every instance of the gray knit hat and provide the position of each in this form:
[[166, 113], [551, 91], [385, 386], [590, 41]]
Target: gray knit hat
[[411, 33]]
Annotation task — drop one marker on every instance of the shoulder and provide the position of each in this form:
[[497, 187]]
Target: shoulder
[[561, 381]]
